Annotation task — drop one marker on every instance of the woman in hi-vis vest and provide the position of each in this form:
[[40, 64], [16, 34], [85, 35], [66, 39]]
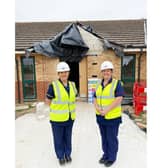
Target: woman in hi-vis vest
[[107, 101], [61, 97]]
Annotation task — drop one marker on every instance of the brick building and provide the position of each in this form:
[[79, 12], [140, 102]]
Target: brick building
[[33, 74]]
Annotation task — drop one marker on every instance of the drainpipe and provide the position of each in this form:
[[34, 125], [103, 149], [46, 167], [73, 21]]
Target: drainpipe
[[139, 65], [17, 71]]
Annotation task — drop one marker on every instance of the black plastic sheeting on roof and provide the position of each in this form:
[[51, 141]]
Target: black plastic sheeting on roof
[[69, 45], [118, 49]]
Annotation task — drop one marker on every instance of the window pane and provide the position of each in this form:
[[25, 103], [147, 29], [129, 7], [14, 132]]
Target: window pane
[[128, 88], [127, 67], [29, 89], [28, 72], [28, 69], [128, 74]]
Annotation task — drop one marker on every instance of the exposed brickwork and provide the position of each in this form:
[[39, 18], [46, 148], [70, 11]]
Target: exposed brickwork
[[42, 89], [107, 55], [45, 69], [143, 76], [143, 67]]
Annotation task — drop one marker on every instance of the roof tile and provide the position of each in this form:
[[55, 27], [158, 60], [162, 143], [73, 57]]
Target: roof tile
[[125, 32]]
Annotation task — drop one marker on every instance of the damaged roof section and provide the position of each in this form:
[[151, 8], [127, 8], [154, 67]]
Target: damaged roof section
[[54, 38], [68, 45], [124, 32], [73, 43]]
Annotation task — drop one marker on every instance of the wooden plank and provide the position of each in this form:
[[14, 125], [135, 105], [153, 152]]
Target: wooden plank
[[83, 77]]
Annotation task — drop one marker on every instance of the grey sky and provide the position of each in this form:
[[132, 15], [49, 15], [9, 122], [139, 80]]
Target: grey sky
[[63, 10]]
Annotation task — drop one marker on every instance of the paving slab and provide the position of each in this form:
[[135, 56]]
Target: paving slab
[[21, 107]]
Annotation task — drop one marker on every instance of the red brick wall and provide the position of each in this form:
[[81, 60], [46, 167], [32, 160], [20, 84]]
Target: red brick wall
[[45, 74], [41, 88], [45, 69]]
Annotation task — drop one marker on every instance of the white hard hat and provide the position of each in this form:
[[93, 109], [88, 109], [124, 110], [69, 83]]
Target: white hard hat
[[62, 67], [106, 65]]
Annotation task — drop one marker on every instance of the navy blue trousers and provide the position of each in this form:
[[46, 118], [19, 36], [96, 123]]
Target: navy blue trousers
[[109, 139], [62, 136]]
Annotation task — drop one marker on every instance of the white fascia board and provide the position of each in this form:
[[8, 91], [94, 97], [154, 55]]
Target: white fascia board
[[23, 51], [133, 49], [19, 52]]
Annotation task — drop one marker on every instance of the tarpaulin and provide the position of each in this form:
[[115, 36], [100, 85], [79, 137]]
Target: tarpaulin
[[68, 45]]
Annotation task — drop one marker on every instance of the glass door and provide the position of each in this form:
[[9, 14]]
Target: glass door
[[28, 77], [128, 73]]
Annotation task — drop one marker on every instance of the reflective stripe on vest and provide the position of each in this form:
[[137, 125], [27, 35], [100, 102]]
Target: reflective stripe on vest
[[105, 97], [63, 104], [60, 111], [60, 102]]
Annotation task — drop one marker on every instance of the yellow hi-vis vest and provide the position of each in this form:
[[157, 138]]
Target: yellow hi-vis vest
[[63, 104], [105, 97]]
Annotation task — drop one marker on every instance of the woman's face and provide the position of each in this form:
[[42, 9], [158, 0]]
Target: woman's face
[[63, 75], [107, 74]]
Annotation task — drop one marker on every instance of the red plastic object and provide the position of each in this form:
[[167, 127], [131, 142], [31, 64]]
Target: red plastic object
[[139, 97], [138, 88], [140, 100], [138, 109]]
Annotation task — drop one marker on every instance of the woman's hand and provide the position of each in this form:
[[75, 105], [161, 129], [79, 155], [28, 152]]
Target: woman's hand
[[104, 112], [47, 101], [98, 109], [110, 107]]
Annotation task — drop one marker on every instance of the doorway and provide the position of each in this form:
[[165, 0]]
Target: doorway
[[128, 73], [74, 73]]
